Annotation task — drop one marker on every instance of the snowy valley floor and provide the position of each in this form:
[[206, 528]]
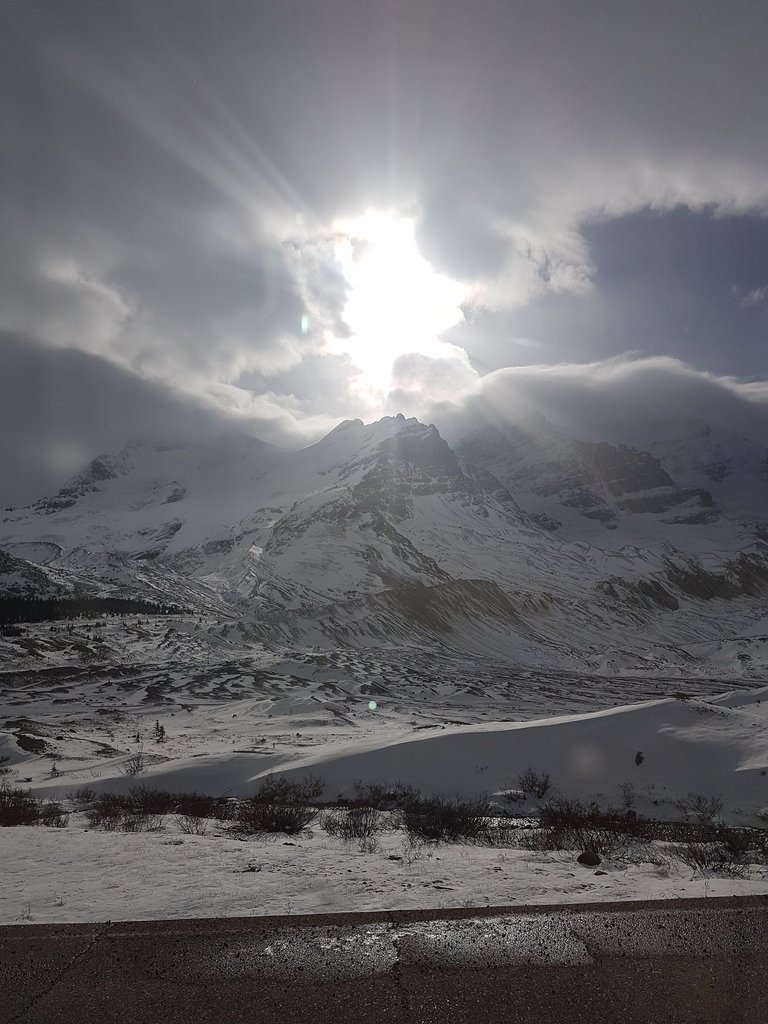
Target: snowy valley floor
[[233, 713]]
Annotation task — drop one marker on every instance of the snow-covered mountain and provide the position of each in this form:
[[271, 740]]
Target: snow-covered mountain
[[563, 480], [522, 540], [732, 467]]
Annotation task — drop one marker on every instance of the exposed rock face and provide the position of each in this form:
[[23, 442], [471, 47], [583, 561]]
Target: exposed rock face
[[698, 454], [747, 574], [623, 470], [599, 480], [102, 468], [21, 578]]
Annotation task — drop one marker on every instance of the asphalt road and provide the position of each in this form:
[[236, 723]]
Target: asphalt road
[[668, 961]]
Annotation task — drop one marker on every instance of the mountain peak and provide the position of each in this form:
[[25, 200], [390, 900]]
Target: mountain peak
[[356, 434]]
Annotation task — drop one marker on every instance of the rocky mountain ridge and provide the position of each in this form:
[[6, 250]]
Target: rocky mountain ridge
[[521, 539]]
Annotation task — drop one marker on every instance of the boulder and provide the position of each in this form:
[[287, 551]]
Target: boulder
[[589, 858]]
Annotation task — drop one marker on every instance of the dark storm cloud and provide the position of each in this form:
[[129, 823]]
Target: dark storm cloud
[[59, 408], [171, 172]]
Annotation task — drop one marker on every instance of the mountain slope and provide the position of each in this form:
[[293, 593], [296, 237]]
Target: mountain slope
[[562, 479], [521, 541], [732, 467]]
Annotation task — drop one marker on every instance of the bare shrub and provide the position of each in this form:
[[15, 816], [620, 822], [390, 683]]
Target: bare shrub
[[648, 853], [355, 823], [108, 809], [5, 766], [413, 849], [605, 843], [705, 809], [83, 794], [570, 814], [280, 805], [714, 858], [136, 810], [384, 796], [539, 840], [18, 806], [277, 788], [133, 822], [192, 825], [53, 815], [436, 819], [575, 815], [534, 783], [572, 825], [199, 805], [369, 844], [134, 765], [628, 795], [725, 850], [501, 834], [745, 843], [145, 800], [611, 845], [254, 816]]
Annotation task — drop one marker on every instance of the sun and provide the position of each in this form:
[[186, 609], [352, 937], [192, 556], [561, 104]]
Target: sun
[[397, 303]]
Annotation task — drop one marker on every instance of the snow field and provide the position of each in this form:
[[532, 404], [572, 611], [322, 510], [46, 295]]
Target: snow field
[[77, 874]]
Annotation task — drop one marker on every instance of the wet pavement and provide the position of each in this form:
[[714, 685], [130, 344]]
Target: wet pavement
[[681, 961]]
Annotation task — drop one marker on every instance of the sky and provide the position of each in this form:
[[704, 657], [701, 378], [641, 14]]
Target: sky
[[277, 215]]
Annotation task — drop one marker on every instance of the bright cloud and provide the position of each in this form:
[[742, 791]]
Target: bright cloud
[[396, 303]]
